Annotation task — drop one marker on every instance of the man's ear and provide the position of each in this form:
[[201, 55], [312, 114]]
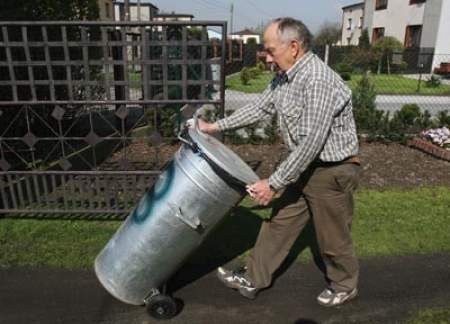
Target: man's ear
[[299, 50], [295, 48]]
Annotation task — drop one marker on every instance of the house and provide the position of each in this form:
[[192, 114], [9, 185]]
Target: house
[[105, 10], [421, 25], [352, 22], [173, 17], [245, 35], [142, 11]]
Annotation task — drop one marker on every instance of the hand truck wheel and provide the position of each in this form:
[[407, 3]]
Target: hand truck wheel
[[161, 307]]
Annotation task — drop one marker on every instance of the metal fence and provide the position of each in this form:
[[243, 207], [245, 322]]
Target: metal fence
[[75, 96]]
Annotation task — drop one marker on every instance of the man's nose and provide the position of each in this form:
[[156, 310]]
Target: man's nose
[[269, 58]]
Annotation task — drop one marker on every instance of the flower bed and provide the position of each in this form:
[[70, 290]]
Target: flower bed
[[434, 141]]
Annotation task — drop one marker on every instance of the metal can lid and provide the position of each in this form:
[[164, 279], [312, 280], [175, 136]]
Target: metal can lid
[[223, 156]]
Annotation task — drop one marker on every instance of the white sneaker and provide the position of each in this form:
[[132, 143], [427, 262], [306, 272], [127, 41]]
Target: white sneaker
[[237, 280], [330, 298]]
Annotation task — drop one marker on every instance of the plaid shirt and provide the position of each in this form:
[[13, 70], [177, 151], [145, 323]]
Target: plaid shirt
[[315, 117]]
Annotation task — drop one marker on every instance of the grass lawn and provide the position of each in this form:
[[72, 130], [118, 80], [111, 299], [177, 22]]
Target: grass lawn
[[256, 85], [391, 222], [384, 84], [397, 84], [439, 315]]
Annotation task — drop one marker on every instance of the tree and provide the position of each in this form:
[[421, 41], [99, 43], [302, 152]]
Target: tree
[[328, 34], [364, 41], [384, 47], [259, 29], [49, 10], [367, 117]]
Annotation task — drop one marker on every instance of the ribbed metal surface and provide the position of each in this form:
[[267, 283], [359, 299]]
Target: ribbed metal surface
[[188, 200]]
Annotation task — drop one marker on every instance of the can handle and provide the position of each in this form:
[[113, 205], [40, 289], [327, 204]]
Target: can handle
[[232, 181]]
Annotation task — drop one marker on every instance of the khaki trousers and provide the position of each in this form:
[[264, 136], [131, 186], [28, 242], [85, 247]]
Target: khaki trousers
[[324, 193]]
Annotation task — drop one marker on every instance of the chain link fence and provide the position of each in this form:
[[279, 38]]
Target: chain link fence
[[411, 77]]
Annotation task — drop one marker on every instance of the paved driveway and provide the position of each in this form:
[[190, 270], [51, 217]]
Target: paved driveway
[[390, 290]]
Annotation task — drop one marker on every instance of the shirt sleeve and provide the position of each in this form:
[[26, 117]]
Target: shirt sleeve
[[314, 126], [250, 113]]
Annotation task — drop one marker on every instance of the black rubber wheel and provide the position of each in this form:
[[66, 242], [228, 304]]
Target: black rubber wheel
[[161, 307]]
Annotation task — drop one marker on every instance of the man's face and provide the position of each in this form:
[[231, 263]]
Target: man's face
[[280, 55]]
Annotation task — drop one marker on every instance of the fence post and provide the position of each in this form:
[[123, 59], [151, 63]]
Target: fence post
[[327, 53]]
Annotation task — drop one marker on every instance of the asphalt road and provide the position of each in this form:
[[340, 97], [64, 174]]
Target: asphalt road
[[391, 103], [391, 289]]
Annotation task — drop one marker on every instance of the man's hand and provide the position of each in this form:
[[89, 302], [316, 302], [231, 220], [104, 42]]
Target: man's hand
[[261, 192], [203, 126]]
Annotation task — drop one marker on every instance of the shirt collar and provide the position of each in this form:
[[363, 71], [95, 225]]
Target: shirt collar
[[299, 65]]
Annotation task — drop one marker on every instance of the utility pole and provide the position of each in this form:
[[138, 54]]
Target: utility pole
[[231, 18], [127, 10], [139, 10]]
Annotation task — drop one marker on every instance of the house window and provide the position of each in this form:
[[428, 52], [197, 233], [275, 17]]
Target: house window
[[381, 4], [411, 2], [350, 24], [107, 10], [377, 33], [413, 35], [360, 23]]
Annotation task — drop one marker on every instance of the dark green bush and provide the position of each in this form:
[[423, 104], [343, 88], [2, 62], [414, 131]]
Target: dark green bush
[[245, 75], [407, 122], [345, 70], [343, 67], [261, 66], [433, 82], [362, 59], [164, 120], [443, 119], [254, 72], [346, 76]]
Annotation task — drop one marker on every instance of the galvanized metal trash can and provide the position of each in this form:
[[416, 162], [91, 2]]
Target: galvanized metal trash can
[[192, 195]]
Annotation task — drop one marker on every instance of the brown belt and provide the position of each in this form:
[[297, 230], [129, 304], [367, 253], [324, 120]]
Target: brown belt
[[351, 159]]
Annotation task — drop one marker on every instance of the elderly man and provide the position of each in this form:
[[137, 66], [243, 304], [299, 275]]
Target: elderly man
[[320, 174]]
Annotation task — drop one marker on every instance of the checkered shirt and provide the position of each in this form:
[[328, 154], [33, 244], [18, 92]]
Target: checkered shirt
[[315, 117]]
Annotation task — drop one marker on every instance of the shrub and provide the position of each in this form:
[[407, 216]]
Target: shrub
[[261, 66], [433, 82], [385, 46], [344, 70], [271, 130], [245, 75], [407, 121], [254, 72], [343, 67], [346, 76], [361, 59], [443, 119], [370, 121], [364, 40], [403, 66]]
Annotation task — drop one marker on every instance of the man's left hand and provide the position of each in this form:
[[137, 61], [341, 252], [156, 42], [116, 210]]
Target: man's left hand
[[261, 192]]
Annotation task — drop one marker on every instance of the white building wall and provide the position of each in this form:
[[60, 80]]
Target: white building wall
[[396, 17], [105, 10], [350, 34], [145, 13], [245, 38], [442, 48]]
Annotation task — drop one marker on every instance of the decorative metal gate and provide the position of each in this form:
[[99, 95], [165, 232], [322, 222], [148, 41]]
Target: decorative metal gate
[[80, 102]]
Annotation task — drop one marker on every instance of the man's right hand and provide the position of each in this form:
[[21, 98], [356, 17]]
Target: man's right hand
[[205, 127]]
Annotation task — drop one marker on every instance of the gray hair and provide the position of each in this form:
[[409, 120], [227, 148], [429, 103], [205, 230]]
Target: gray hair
[[292, 29]]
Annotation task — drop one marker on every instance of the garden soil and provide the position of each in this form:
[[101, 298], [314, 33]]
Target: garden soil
[[384, 165]]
